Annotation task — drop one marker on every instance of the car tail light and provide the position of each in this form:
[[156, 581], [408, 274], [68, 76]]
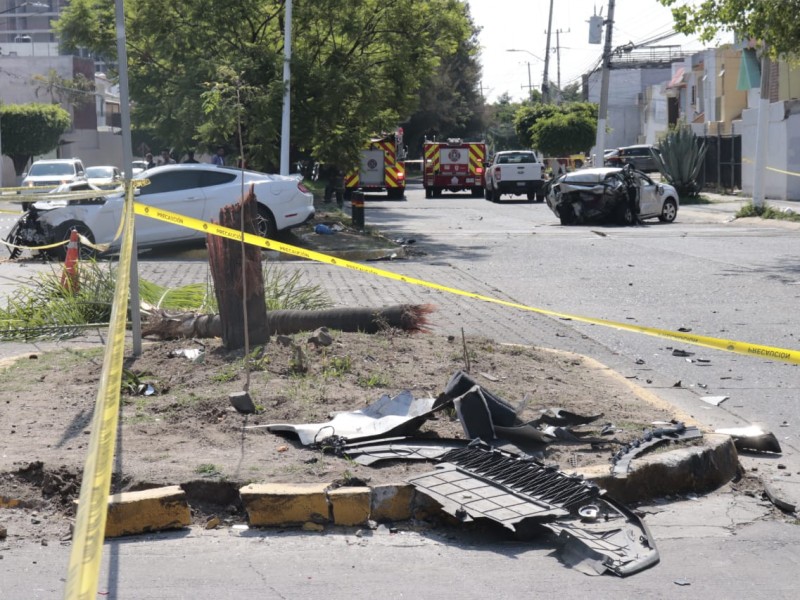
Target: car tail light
[[301, 187], [497, 173], [401, 175], [479, 170]]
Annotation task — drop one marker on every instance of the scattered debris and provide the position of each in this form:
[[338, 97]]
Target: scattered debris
[[677, 352], [715, 400], [386, 417], [752, 438], [497, 471], [193, 354], [621, 461]]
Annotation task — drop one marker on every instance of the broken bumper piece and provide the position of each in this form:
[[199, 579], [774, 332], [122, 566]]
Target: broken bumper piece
[[598, 535]]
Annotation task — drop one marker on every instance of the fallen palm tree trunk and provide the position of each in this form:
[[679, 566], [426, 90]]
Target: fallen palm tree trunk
[[406, 317]]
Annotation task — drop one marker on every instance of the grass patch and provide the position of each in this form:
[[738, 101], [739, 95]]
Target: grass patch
[[337, 366], [40, 308], [376, 380], [208, 470], [767, 212]]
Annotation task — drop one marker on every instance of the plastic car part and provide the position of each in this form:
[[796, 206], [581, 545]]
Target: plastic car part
[[399, 448], [596, 533], [621, 461], [389, 416], [476, 482], [752, 438]]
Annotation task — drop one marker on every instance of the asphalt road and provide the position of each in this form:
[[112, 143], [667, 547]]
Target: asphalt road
[[703, 272]]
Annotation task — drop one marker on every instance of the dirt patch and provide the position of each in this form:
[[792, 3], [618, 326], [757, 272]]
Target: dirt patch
[[177, 425]]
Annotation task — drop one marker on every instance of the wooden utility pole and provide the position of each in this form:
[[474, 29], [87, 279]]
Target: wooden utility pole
[[546, 75]]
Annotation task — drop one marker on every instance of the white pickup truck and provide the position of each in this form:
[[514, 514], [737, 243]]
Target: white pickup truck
[[515, 172]]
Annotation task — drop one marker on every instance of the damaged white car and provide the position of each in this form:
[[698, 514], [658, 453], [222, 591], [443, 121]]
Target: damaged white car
[[622, 195], [198, 191]]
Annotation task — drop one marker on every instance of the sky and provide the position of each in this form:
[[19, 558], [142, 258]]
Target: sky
[[522, 25]]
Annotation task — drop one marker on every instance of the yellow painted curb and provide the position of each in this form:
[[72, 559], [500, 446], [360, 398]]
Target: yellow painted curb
[[282, 504], [350, 505], [131, 513]]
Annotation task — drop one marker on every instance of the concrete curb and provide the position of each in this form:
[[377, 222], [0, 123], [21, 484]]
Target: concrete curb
[[312, 507]]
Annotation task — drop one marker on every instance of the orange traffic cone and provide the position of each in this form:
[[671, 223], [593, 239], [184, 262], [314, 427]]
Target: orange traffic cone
[[69, 276]]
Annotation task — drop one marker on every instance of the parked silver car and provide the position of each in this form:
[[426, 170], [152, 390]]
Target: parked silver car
[[193, 190], [611, 194], [104, 177]]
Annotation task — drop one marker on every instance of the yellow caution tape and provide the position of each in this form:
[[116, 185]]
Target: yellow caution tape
[[774, 169], [749, 349], [90, 522]]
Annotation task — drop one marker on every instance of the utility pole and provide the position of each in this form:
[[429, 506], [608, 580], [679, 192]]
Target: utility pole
[[558, 59], [545, 77], [600, 142], [287, 88], [530, 83]]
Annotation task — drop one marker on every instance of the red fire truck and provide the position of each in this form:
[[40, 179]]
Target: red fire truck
[[381, 167], [454, 165]]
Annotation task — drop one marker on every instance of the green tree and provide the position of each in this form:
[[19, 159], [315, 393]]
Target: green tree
[[28, 130], [449, 100], [357, 66], [500, 132], [564, 133], [773, 22], [528, 116]]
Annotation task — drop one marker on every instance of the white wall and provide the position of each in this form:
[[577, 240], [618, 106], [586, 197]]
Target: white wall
[[782, 177]]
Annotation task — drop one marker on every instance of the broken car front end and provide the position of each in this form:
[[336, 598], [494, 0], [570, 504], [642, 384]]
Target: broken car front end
[[577, 200]]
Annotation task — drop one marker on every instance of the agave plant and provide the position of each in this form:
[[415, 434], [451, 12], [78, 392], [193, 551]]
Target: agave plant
[[680, 159]]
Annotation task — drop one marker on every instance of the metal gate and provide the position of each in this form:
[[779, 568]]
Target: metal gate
[[722, 167]]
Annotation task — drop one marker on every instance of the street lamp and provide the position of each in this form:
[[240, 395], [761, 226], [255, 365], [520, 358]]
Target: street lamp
[[530, 83]]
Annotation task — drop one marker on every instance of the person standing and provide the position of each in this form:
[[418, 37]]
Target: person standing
[[190, 158], [219, 157], [165, 158], [150, 162]]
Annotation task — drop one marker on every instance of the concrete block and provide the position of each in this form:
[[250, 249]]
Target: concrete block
[[278, 504], [132, 513], [392, 502], [350, 505], [699, 468]]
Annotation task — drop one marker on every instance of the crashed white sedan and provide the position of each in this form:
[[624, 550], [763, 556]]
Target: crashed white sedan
[[614, 194], [193, 190]]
